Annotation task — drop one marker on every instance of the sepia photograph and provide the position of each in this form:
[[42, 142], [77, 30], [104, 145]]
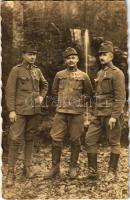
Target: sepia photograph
[[64, 100]]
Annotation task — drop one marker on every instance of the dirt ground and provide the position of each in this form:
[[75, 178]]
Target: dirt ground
[[64, 188]]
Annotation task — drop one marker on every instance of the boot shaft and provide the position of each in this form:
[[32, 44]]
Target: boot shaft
[[113, 163], [56, 155], [28, 153], [75, 149], [73, 172], [12, 156], [10, 178], [55, 169], [92, 160], [92, 166]]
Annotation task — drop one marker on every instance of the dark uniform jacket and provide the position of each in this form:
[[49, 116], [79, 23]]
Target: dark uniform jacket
[[71, 88], [23, 88], [110, 92]]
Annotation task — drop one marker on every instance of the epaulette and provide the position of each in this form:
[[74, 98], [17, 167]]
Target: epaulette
[[80, 72], [35, 66], [16, 66], [19, 65], [62, 72], [113, 67]]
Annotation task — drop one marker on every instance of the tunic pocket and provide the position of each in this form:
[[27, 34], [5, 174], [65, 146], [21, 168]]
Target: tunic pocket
[[62, 83], [24, 83], [106, 85], [36, 84], [23, 80], [78, 83]]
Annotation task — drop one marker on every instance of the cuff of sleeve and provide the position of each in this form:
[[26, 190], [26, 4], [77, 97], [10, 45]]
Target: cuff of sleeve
[[11, 111], [115, 116], [11, 108]]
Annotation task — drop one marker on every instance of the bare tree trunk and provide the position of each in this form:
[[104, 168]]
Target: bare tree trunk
[[18, 32]]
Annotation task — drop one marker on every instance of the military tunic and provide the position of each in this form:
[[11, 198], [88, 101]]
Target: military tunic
[[110, 100], [110, 92], [24, 86], [71, 87]]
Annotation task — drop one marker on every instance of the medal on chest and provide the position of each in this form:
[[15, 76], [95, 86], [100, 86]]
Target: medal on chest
[[75, 75], [34, 73]]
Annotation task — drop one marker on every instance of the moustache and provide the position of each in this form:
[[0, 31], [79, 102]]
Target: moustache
[[71, 63]]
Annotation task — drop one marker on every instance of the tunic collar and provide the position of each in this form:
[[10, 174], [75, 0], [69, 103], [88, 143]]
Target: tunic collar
[[108, 66], [27, 65], [73, 70]]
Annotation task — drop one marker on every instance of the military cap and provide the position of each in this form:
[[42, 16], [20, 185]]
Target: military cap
[[107, 42], [29, 48], [106, 46], [69, 51]]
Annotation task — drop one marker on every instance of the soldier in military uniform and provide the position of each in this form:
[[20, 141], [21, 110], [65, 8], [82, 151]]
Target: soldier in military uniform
[[25, 90], [70, 85], [109, 104]]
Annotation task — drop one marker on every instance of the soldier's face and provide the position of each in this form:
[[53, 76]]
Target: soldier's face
[[71, 61], [29, 57], [105, 57]]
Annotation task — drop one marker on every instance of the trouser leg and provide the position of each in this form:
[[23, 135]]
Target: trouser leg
[[75, 124], [12, 156], [59, 127], [93, 134], [15, 140], [92, 137], [30, 133], [114, 136], [57, 133], [16, 137]]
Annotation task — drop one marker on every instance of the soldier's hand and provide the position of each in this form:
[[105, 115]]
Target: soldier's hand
[[12, 116], [112, 122], [40, 99]]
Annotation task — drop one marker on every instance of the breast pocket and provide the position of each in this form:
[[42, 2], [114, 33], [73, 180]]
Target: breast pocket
[[78, 83], [62, 83], [37, 84], [106, 85], [24, 83]]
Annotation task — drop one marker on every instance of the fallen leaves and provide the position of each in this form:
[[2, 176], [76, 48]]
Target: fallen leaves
[[64, 188]]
